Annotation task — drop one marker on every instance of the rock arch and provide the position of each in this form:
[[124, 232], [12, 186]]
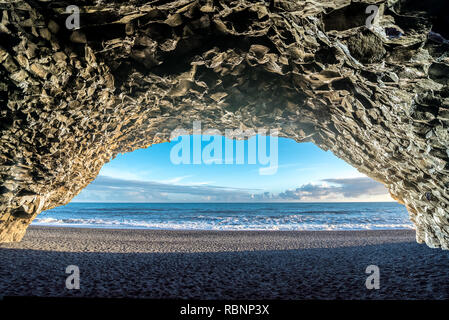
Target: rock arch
[[136, 70]]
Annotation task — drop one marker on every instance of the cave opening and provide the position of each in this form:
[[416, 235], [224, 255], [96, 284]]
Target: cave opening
[[218, 182]]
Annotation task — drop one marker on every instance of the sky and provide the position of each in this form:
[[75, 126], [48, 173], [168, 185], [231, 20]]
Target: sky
[[270, 170]]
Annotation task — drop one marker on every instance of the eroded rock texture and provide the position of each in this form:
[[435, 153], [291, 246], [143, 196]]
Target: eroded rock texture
[[136, 70]]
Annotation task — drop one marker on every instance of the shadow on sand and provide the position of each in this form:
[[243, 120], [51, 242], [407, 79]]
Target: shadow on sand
[[407, 271]]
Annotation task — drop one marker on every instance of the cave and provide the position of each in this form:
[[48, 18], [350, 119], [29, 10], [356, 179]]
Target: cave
[[134, 71]]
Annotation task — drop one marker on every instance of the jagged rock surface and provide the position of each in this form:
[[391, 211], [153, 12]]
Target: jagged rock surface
[[72, 100]]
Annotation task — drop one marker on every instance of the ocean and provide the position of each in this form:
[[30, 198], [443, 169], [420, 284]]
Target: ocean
[[229, 216]]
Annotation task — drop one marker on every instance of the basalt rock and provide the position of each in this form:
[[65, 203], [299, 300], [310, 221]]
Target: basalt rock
[[134, 71]]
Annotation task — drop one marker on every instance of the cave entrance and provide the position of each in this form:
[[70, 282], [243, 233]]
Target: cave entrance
[[376, 97], [215, 182]]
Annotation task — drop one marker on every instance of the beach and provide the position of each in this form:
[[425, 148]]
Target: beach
[[161, 264]]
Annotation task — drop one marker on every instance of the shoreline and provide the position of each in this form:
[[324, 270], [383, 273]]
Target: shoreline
[[214, 264], [200, 230], [227, 217]]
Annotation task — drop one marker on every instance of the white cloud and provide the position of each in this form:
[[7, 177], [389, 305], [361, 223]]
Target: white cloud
[[121, 190], [174, 180], [123, 174], [350, 189], [111, 189]]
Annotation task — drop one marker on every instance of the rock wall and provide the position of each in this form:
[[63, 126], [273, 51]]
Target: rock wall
[[71, 100]]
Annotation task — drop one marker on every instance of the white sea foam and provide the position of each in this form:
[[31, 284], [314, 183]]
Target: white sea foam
[[230, 216], [227, 224]]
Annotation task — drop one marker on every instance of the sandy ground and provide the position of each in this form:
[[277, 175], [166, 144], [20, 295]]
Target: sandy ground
[[223, 264]]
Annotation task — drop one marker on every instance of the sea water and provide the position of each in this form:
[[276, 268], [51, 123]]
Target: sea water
[[229, 216]]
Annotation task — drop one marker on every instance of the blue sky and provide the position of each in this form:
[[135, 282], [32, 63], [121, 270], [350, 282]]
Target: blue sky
[[304, 173]]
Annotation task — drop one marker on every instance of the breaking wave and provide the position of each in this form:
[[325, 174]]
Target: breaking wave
[[219, 216]]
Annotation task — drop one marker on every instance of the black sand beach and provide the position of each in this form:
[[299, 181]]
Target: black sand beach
[[223, 265]]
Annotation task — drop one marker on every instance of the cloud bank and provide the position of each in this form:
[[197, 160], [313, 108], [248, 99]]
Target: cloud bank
[[336, 188], [108, 189]]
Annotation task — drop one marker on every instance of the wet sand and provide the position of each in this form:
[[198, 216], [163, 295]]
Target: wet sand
[[223, 264]]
